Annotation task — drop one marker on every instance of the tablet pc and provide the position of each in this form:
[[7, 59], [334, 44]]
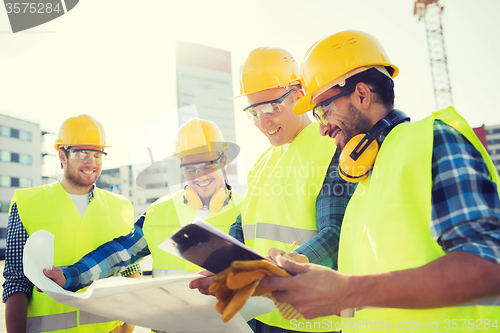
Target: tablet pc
[[204, 245]]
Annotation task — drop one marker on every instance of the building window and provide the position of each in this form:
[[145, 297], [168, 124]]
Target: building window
[[4, 181], [6, 156], [15, 182], [4, 206], [493, 142], [4, 131], [15, 133], [14, 157], [25, 159], [25, 182], [24, 135]]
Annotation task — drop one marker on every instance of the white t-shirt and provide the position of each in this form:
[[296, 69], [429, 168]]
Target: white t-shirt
[[203, 212], [81, 202]]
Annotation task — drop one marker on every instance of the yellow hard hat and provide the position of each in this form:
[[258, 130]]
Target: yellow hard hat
[[81, 130], [332, 60], [199, 136], [266, 68]]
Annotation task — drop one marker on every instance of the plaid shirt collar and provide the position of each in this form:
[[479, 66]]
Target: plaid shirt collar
[[91, 193]]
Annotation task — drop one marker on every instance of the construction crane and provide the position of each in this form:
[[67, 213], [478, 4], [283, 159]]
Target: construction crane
[[430, 11]]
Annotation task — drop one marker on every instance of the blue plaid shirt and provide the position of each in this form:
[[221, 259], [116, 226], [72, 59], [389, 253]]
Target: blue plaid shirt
[[465, 202], [15, 280]]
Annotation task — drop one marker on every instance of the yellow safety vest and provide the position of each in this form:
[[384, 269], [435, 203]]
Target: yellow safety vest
[[386, 225], [280, 204], [167, 215], [49, 207]]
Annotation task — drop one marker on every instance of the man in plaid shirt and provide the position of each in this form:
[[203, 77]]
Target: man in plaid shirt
[[72, 209], [420, 239]]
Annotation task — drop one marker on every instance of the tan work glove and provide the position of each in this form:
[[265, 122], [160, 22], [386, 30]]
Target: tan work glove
[[234, 285]]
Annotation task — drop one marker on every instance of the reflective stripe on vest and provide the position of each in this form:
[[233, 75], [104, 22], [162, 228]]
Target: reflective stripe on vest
[[279, 233], [383, 233], [167, 215], [90, 318], [280, 203], [50, 208], [60, 321]]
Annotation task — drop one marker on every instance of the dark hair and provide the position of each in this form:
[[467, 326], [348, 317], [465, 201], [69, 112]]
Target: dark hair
[[380, 82], [66, 152]]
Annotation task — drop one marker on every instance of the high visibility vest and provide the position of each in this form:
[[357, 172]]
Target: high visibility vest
[[280, 204], [170, 213], [386, 224], [49, 207]]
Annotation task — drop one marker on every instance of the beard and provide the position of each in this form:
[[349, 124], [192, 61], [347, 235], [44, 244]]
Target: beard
[[74, 177], [359, 123]]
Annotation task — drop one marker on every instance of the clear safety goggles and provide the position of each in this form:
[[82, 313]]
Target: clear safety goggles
[[85, 155], [190, 170], [323, 109], [268, 109]]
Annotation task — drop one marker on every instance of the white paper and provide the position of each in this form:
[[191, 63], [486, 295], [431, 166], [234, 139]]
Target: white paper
[[164, 303], [256, 306]]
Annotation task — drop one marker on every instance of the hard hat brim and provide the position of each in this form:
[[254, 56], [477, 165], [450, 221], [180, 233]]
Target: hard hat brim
[[303, 105], [57, 146], [172, 164], [240, 95]]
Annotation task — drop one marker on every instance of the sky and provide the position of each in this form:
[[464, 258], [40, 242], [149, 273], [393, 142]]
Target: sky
[[115, 59]]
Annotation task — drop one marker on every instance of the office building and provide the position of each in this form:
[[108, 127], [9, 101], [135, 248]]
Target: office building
[[20, 164]]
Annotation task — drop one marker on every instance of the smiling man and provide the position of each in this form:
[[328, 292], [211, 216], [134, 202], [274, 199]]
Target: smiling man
[[420, 241], [76, 212], [294, 192]]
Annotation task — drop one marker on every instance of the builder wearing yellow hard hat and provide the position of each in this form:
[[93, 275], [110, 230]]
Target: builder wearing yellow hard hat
[[419, 246], [293, 191], [81, 217], [203, 154]]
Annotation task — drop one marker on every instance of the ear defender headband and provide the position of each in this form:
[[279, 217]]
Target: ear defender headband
[[218, 200], [358, 156]]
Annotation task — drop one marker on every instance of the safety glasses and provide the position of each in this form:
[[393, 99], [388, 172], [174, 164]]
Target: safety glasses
[[323, 109], [268, 109], [85, 155], [190, 170]]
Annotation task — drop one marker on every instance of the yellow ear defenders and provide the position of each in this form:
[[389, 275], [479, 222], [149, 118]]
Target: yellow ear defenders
[[358, 156], [218, 200]]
